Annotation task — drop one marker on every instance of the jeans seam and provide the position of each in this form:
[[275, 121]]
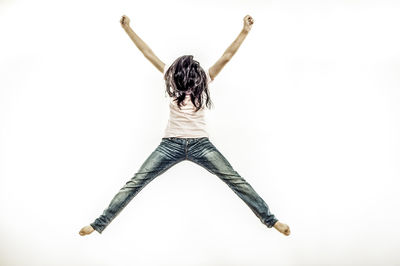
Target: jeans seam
[[186, 150]]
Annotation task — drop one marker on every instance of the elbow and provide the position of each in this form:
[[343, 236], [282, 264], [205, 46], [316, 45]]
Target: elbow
[[147, 53], [226, 57]]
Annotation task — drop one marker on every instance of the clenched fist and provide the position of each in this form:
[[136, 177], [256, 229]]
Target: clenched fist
[[247, 22], [124, 21]]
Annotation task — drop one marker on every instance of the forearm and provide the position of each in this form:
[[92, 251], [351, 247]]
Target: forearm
[[231, 50], [140, 44]]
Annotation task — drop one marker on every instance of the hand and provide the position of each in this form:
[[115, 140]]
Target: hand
[[124, 21], [247, 22]]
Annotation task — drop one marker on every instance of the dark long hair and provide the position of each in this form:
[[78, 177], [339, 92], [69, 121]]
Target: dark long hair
[[186, 75]]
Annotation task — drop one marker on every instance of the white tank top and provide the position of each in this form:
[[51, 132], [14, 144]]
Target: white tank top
[[185, 122]]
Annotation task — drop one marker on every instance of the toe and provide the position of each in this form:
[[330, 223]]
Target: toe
[[82, 232]]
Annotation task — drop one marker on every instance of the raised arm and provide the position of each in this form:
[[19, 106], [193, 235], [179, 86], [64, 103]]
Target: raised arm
[[231, 50], [143, 47]]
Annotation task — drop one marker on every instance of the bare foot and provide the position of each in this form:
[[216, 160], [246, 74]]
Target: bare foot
[[283, 228], [86, 230]]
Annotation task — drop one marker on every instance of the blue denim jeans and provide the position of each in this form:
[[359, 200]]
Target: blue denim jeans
[[171, 151]]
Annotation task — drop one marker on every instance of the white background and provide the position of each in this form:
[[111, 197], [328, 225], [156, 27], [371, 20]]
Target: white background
[[307, 111]]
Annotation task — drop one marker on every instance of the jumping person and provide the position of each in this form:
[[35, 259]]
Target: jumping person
[[186, 137]]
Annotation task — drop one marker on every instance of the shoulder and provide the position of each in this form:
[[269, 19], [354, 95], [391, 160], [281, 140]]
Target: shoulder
[[209, 80], [166, 66]]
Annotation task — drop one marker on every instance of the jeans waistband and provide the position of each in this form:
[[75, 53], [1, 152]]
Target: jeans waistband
[[182, 140]]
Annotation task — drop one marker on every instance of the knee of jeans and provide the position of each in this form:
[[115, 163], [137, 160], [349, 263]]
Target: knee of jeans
[[232, 175], [136, 181]]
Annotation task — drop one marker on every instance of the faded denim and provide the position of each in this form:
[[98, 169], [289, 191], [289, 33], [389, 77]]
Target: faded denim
[[173, 150]]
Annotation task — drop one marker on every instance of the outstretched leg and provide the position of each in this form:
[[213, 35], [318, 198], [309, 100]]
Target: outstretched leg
[[160, 160], [207, 155]]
